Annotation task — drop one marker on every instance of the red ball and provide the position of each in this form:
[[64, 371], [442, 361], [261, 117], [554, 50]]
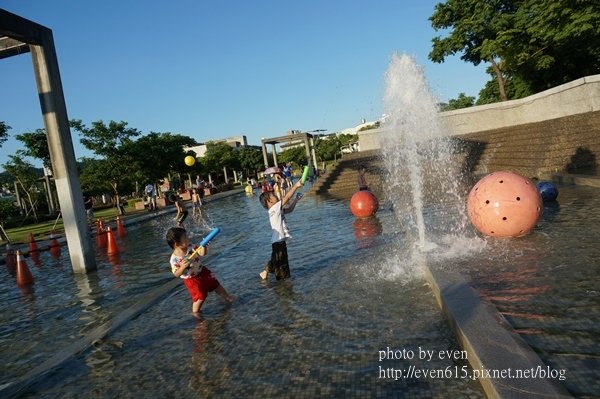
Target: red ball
[[363, 204]]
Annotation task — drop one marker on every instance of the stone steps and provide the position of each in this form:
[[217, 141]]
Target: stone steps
[[568, 145], [564, 144]]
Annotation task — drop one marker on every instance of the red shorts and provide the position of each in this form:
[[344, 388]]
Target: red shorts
[[201, 284]]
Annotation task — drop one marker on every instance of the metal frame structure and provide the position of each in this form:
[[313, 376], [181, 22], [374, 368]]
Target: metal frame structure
[[19, 36], [307, 140]]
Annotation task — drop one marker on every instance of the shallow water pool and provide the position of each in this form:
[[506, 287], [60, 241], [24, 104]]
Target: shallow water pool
[[317, 335]]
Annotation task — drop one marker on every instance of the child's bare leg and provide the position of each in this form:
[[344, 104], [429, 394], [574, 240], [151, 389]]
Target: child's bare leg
[[223, 294], [196, 306], [265, 273]]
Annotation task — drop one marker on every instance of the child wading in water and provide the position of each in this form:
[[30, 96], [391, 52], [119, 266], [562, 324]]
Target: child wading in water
[[182, 211], [196, 203], [278, 264], [197, 278]]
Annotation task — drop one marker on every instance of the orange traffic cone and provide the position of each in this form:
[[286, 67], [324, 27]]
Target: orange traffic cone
[[112, 243], [54, 245], [32, 244], [24, 276], [11, 258], [35, 257], [120, 227], [101, 237]]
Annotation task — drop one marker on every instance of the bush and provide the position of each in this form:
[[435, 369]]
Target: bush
[[7, 210]]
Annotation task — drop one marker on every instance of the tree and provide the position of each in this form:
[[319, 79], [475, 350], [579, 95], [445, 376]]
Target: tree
[[559, 42], [347, 139], [36, 144], [327, 148], [7, 210], [4, 128], [93, 176], [152, 168], [474, 27], [109, 142], [251, 160], [462, 101], [25, 177], [220, 155], [531, 45], [296, 155]]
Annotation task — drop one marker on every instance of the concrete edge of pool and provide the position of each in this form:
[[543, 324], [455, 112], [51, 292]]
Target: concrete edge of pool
[[490, 342]]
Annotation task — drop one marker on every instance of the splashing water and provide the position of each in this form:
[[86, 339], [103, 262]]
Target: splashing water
[[425, 179]]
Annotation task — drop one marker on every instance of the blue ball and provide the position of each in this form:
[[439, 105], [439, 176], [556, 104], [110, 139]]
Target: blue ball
[[548, 191]]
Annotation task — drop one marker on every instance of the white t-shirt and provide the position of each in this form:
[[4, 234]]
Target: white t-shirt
[[191, 271], [278, 224]]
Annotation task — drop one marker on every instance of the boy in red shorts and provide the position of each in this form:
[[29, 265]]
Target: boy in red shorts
[[197, 278]]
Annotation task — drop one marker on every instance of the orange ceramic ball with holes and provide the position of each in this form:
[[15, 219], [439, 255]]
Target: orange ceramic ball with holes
[[363, 204], [504, 204]]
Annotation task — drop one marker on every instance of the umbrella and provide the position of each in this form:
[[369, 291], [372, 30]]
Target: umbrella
[[271, 170]]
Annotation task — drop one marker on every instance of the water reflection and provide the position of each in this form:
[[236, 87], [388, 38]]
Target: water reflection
[[367, 227], [88, 286], [211, 368]]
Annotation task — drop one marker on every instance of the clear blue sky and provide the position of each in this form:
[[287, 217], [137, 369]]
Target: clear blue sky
[[214, 69]]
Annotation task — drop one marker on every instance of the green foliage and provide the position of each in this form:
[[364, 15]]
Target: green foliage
[[36, 144], [531, 45], [560, 42], [105, 140], [7, 210], [4, 128], [328, 147], [251, 160], [93, 176], [296, 155], [346, 139], [25, 176], [110, 142], [462, 101], [20, 169], [218, 155], [515, 88], [152, 168]]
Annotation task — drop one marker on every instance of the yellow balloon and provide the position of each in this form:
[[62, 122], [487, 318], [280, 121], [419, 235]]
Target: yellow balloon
[[189, 160]]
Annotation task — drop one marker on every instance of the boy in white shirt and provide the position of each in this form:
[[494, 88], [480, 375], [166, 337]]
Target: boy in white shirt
[[278, 264]]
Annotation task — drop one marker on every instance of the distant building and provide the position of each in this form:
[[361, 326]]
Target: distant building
[[235, 142]]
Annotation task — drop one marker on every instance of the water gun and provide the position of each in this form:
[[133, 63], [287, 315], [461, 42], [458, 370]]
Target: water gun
[[304, 175], [214, 232]]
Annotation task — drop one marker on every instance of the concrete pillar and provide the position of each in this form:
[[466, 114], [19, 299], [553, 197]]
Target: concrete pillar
[[51, 206], [235, 179], [274, 155], [225, 174], [308, 156], [265, 157], [62, 154], [314, 155]]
